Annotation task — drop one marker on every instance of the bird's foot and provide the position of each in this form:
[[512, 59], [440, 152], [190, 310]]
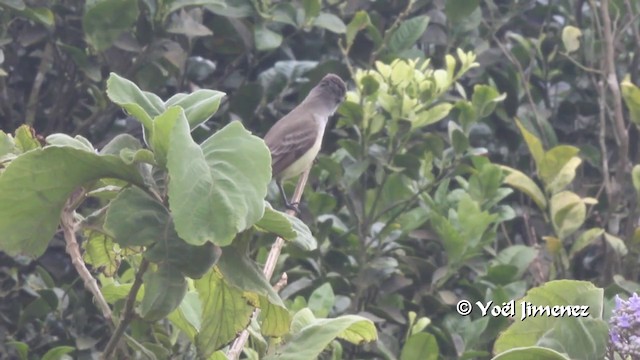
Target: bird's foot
[[293, 206]]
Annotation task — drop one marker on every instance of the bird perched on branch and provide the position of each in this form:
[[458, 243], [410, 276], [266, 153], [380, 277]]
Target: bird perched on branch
[[295, 140]]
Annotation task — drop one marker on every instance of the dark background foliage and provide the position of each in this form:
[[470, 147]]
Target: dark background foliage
[[55, 57]]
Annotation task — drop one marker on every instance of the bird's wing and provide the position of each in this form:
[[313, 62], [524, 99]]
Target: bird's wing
[[289, 140]]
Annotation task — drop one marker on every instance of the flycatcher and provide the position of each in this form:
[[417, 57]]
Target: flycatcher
[[295, 140]]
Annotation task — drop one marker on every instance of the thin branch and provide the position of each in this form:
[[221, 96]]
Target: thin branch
[[69, 227], [621, 132], [127, 314], [32, 103], [269, 268]]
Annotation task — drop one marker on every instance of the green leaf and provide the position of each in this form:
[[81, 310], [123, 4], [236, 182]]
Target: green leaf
[[187, 316], [330, 22], [420, 346], [312, 339], [580, 338], [432, 115], [616, 244], [105, 20], [359, 22], [519, 256], [136, 219], [140, 104], [584, 240], [406, 35], [534, 144], [21, 348], [635, 177], [631, 96], [553, 163], [287, 227], [564, 176], [458, 10], [217, 189], [179, 4], [162, 131], [311, 8], [568, 213], [79, 142], [193, 261], [119, 143], [484, 99], [15, 4], [528, 331], [40, 14], [265, 38], [164, 290], [524, 183], [38, 183], [321, 300], [100, 252], [57, 352], [571, 38], [240, 271], [530, 353], [198, 106], [225, 312], [7, 144], [25, 139]]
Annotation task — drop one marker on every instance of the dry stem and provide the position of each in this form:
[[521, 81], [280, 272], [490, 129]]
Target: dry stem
[[269, 267], [69, 227]]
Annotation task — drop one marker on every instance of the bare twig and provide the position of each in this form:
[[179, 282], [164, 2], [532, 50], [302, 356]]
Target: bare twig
[[127, 314], [69, 226], [621, 132], [32, 103], [269, 267]]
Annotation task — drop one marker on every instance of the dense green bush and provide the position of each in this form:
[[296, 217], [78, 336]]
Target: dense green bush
[[486, 152]]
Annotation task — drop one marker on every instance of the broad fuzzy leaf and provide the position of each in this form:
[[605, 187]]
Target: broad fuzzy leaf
[[38, 183], [217, 189]]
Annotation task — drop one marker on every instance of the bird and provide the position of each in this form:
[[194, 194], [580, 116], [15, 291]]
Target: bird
[[295, 140]]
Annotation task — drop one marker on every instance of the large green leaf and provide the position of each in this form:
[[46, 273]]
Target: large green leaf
[[164, 290], [242, 272], [568, 213], [522, 182], [216, 190], [35, 186], [162, 130], [420, 346], [530, 330], [187, 316], [553, 163], [198, 106], [140, 104], [136, 219], [359, 22], [533, 143], [330, 22], [225, 312], [265, 38], [581, 338], [316, 334], [406, 35], [287, 227], [530, 353], [105, 20]]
